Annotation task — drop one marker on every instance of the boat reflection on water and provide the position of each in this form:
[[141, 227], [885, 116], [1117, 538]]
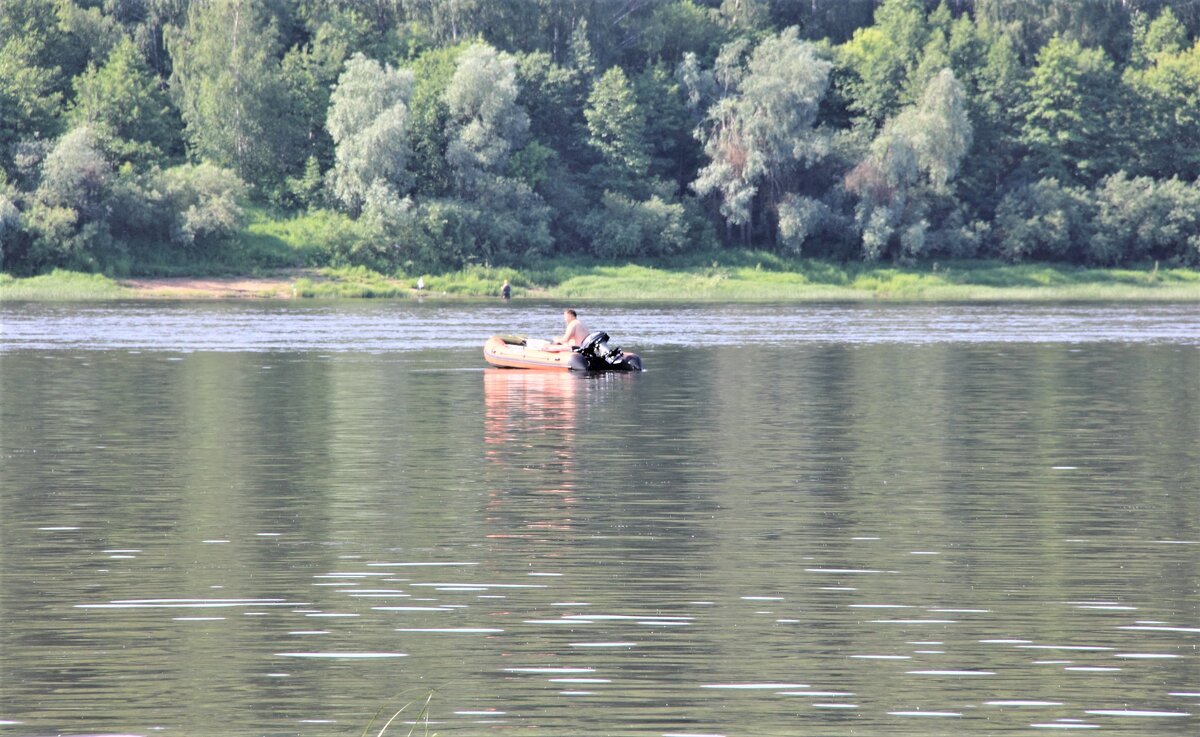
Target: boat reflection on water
[[530, 431], [534, 424], [520, 403]]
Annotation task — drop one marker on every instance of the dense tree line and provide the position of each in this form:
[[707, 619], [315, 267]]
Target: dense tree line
[[442, 132]]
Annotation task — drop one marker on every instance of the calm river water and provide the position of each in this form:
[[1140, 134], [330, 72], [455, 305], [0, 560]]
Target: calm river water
[[285, 519]]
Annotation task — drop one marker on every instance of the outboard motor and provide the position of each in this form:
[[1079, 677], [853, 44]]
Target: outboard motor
[[600, 355]]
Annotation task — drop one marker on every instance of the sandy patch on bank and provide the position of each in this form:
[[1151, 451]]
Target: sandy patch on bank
[[272, 287]]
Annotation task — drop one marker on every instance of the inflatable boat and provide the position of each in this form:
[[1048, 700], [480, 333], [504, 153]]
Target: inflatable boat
[[595, 354]]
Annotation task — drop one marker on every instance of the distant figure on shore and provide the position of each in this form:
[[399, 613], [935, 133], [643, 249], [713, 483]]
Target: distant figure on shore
[[420, 282], [506, 291]]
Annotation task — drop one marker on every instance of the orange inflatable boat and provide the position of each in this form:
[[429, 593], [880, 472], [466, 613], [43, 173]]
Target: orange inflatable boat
[[594, 355]]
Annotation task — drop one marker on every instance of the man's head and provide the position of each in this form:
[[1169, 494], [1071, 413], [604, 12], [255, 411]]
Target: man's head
[[569, 314]]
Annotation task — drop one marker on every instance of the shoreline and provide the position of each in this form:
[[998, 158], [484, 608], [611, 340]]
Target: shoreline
[[802, 281], [185, 287]]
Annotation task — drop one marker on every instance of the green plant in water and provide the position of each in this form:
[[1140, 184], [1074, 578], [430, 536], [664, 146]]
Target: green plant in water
[[421, 718]]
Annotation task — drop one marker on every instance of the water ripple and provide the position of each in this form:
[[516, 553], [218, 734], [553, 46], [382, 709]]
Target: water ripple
[[405, 326]]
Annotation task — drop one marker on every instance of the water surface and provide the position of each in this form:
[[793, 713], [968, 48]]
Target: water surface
[[279, 520], [409, 326]]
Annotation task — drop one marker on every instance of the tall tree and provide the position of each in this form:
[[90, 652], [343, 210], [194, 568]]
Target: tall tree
[[746, 16], [430, 115], [123, 104], [1167, 115], [45, 42], [761, 128], [149, 22], [368, 119], [875, 64], [1069, 125], [91, 34], [674, 152], [450, 21], [310, 70], [677, 27], [835, 20], [1163, 35], [33, 82], [1031, 25], [617, 129], [1164, 76], [988, 67], [485, 123], [29, 103], [554, 96], [922, 146], [928, 139], [935, 56], [226, 81]]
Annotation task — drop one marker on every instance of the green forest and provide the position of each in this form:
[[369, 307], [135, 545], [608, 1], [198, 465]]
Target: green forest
[[144, 136]]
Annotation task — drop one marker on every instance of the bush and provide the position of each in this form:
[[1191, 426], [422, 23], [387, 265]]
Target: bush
[[1045, 220], [1120, 220], [399, 236], [76, 175], [203, 203], [878, 224], [1143, 218], [505, 221], [958, 239], [623, 227], [341, 240], [65, 220], [512, 221], [799, 219], [138, 211], [10, 224], [913, 239], [58, 238]]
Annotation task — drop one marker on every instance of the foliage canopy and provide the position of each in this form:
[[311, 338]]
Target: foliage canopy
[[133, 133]]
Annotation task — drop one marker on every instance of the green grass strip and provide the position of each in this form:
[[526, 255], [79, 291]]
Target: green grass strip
[[724, 276], [61, 286]]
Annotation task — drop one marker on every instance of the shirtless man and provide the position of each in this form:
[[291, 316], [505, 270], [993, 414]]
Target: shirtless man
[[574, 334]]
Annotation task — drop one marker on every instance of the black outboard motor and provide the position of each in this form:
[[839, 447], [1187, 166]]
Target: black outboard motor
[[600, 356]]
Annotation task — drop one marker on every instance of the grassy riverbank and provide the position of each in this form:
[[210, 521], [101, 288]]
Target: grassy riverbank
[[61, 285], [723, 276]]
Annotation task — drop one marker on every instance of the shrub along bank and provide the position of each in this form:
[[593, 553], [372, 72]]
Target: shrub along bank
[[717, 276]]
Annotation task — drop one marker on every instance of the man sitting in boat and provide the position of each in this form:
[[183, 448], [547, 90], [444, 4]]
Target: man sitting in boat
[[573, 336]]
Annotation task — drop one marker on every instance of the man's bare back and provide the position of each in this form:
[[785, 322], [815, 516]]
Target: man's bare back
[[574, 334]]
